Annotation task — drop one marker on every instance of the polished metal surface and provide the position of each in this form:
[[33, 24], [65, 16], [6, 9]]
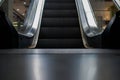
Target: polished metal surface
[[31, 27], [58, 51], [59, 64], [87, 18], [88, 23], [33, 18], [117, 3]]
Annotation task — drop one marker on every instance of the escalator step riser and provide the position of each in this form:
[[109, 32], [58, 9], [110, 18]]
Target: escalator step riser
[[60, 32], [59, 13], [58, 22], [59, 6], [60, 1], [60, 43]]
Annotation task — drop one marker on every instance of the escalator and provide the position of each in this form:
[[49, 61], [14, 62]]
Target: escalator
[[60, 25], [59, 29]]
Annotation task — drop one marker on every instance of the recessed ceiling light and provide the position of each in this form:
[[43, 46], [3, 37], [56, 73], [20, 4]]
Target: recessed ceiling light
[[18, 9], [24, 3], [23, 14]]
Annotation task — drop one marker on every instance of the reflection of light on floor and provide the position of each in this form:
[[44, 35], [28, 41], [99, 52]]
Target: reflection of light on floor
[[37, 68], [88, 68]]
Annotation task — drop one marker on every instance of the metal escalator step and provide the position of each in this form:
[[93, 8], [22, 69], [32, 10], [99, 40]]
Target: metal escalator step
[[60, 43], [53, 22], [59, 6], [60, 25], [60, 32], [59, 1], [59, 13]]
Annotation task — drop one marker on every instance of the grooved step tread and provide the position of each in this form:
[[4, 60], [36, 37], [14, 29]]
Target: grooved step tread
[[59, 13], [59, 6], [60, 25], [59, 22], [60, 1], [60, 43], [60, 32]]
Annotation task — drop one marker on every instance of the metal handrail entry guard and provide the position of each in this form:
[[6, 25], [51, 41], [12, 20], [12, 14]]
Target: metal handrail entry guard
[[87, 20], [32, 22]]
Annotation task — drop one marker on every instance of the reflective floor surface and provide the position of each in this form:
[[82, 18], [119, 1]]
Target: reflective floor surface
[[84, 64]]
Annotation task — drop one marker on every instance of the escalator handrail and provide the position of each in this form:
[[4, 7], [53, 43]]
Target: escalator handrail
[[117, 3], [33, 18], [87, 18]]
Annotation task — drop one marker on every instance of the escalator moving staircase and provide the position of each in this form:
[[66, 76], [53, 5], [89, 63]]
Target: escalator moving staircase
[[60, 25]]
